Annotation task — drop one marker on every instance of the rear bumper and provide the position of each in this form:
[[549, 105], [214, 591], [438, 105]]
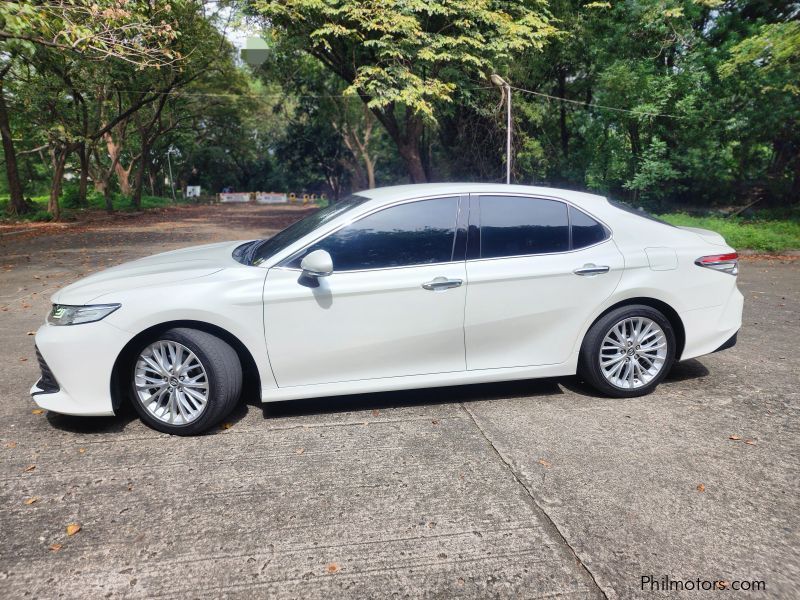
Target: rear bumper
[[730, 343], [712, 329]]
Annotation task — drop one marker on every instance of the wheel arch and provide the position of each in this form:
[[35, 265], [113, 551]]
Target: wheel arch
[[251, 379], [670, 313]]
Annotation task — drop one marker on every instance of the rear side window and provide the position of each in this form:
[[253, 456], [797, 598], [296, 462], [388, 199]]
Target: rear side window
[[415, 233], [515, 226], [585, 230]]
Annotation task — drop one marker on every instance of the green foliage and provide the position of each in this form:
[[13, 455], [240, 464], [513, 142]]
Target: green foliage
[[139, 32], [40, 216], [670, 104], [413, 53]]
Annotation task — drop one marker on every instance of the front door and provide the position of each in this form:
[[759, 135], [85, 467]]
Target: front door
[[394, 305]]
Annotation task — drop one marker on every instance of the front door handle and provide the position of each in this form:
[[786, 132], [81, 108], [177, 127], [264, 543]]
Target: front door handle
[[591, 269], [442, 283]]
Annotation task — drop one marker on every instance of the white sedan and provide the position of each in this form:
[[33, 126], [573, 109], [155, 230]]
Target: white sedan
[[394, 288]]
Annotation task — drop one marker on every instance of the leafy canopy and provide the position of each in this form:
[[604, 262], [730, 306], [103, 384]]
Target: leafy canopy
[[413, 53]]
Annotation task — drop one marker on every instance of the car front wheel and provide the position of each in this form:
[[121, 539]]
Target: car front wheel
[[185, 381], [628, 352]]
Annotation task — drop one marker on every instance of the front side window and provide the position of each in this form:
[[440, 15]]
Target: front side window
[[262, 250], [415, 233], [515, 226]]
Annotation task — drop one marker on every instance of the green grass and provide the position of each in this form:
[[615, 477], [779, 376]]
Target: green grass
[[763, 235], [95, 201]]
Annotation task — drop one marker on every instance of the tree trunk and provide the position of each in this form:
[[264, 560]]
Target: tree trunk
[[139, 179], [409, 152], [408, 140], [152, 174], [17, 205], [84, 178], [58, 156], [369, 163], [123, 178]]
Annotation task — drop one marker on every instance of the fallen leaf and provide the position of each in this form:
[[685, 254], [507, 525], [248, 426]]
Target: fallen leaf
[[299, 450], [332, 568], [73, 528], [37, 411], [734, 438], [81, 450], [435, 422], [750, 442], [226, 426], [31, 333], [30, 468], [701, 488], [55, 547], [31, 500], [11, 444], [23, 360], [544, 463]]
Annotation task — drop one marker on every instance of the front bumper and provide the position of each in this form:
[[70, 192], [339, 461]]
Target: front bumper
[[76, 363]]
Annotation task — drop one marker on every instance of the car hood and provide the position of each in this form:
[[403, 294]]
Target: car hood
[[167, 267]]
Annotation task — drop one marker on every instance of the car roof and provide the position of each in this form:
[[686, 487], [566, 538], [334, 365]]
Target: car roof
[[386, 195]]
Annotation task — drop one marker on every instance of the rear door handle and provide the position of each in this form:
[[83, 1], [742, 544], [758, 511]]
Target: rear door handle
[[442, 283], [591, 269]]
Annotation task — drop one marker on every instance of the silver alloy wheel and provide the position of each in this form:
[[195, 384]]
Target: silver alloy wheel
[[171, 382], [633, 352]]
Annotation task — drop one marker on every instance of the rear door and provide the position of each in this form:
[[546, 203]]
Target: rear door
[[394, 305], [537, 269]]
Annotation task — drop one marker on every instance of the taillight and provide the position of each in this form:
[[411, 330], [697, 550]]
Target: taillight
[[727, 263]]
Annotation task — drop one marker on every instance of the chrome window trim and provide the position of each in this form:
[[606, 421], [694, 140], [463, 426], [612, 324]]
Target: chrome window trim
[[335, 272]]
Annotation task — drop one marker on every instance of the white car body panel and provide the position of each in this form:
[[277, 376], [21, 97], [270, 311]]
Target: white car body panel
[[533, 293], [379, 330], [364, 324]]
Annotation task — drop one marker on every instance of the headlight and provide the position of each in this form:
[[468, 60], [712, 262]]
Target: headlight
[[63, 314]]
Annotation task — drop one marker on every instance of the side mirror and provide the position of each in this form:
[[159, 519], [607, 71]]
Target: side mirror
[[317, 264]]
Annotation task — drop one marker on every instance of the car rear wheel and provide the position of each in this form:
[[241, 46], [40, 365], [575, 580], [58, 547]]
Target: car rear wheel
[[185, 381], [628, 352]]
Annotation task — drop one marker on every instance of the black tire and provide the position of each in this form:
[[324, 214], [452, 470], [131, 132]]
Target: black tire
[[223, 374], [589, 361]]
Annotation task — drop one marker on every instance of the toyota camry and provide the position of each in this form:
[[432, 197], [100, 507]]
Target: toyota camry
[[394, 288]]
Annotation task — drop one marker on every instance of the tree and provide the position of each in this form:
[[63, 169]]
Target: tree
[[138, 32], [406, 58]]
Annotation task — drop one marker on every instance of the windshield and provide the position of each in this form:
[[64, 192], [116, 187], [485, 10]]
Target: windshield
[[260, 251]]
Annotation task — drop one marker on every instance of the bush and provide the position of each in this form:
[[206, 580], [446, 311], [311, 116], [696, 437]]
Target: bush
[[40, 216], [70, 197]]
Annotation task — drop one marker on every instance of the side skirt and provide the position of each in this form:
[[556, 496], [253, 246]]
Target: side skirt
[[388, 384]]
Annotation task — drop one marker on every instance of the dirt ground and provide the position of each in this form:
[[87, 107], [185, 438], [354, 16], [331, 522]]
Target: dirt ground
[[535, 489]]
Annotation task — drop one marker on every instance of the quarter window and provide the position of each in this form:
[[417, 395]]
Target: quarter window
[[415, 233], [585, 230], [515, 226]]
